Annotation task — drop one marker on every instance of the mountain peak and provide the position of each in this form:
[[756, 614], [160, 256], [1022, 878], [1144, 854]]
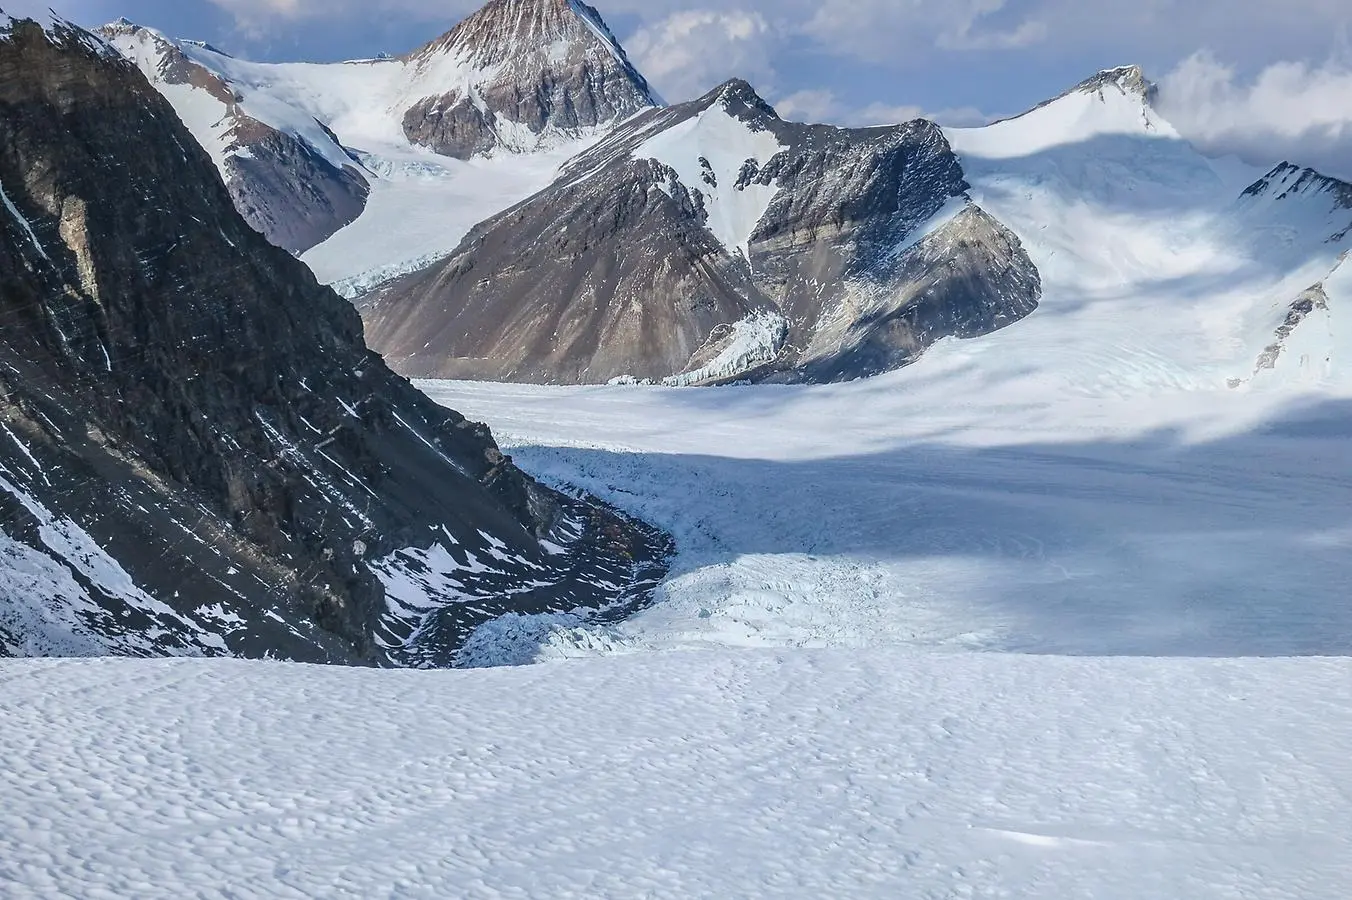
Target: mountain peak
[[1286, 179], [519, 73], [516, 32], [56, 31], [1130, 80], [740, 99]]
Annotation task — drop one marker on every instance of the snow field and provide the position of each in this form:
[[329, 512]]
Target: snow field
[[816, 773], [420, 207]]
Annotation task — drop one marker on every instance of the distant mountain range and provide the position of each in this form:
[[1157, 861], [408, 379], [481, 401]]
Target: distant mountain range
[[534, 212], [200, 454]]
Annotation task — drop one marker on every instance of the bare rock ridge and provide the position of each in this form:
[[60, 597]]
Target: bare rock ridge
[[198, 454], [1287, 180], [711, 241], [517, 70], [285, 188]]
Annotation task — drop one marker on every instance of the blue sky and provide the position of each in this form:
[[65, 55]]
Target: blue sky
[[1262, 78]]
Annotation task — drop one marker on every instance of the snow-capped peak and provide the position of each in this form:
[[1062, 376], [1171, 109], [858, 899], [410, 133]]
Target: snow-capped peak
[[740, 99], [1118, 101], [1130, 80], [523, 36], [57, 31], [1287, 179]]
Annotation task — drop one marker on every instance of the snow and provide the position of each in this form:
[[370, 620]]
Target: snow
[[421, 206], [23, 223], [754, 340], [47, 595], [1107, 476], [726, 143], [1127, 223], [1076, 117], [211, 121], [815, 773]]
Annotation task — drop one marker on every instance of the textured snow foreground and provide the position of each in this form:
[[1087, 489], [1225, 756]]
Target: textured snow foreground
[[709, 774]]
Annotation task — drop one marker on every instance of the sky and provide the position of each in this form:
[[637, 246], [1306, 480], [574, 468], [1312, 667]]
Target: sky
[[1264, 79]]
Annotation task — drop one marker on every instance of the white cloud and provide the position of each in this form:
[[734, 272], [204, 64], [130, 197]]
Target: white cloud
[[827, 106], [893, 31], [968, 37], [1289, 110], [259, 13], [816, 105], [687, 53]]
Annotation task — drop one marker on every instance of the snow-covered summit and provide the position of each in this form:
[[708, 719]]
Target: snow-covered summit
[[1129, 80], [519, 75], [1287, 179], [1118, 101], [287, 172]]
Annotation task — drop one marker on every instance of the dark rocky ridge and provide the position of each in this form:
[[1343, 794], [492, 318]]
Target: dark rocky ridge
[[283, 187], [522, 81], [611, 271], [184, 392], [1287, 180]]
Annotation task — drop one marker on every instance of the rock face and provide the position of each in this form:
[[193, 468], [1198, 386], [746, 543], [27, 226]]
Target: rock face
[[713, 241], [518, 74], [198, 454], [291, 191]]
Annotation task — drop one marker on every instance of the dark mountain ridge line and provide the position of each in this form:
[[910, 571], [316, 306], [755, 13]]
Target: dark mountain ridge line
[[183, 395], [615, 271]]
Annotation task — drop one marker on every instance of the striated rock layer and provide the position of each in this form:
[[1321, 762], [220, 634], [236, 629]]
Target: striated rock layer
[[517, 71], [713, 240], [198, 454]]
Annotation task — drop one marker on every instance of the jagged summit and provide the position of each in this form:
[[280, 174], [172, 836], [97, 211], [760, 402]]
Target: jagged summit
[[503, 29], [57, 31], [738, 97], [1129, 80], [1286, 179], [519, 73], [1126, 81]]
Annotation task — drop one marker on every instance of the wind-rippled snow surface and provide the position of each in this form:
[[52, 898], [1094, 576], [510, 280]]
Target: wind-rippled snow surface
[[754, 773]]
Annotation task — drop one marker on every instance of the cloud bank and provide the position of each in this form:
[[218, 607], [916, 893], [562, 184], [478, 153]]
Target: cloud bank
[[1288, 111]]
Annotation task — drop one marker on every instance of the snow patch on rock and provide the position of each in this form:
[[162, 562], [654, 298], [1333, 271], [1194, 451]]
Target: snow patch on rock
[[710, 153]]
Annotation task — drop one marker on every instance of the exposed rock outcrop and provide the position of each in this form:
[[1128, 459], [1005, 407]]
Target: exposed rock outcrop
[[644, 256], [198, 454], [518, 74], [285, 188]]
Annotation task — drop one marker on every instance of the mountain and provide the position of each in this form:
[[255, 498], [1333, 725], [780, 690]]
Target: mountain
[[711, 241], [294, 183], [519, 74], [199, 454], [1153, 252], [302, 145]]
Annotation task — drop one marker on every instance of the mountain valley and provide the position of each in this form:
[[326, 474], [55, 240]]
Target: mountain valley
[[898, 511]]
